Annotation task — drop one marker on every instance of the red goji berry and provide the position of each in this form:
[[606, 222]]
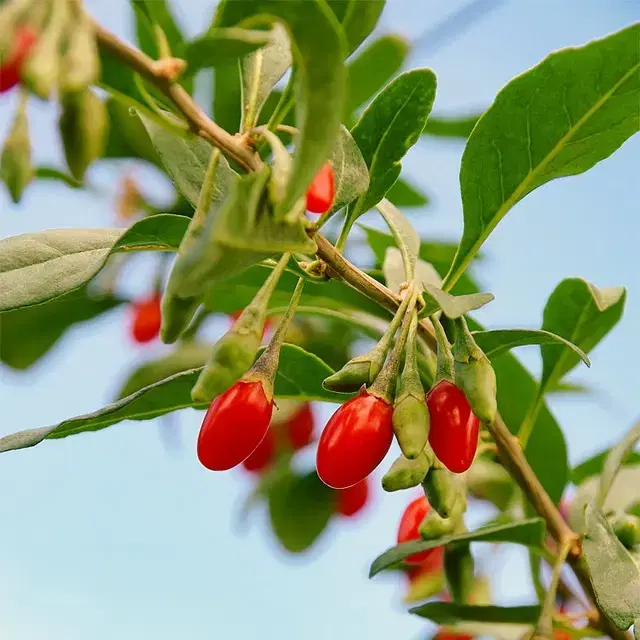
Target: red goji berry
[[263, 455], [321, 191], [409, 526], [10, 67], [354, 441], [299, 428], [454, 427], [352, 500], [147, 318], [433, 563], [450, 635], [234, 426]]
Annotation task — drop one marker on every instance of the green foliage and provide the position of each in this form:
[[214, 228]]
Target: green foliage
[[448, 127], [450, 613]]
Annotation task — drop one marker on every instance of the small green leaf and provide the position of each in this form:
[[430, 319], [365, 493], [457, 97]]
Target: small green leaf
[[127, 137], [29, 333], [498, 341], [614, 574], [593, 466], [405, 235], [565, 115], [36, 267], [388, 128], [405, 195], [582, 314], [300, 508], [227, 97], [451, 127], [222, 46], [527, 532], [359, 20], [448, 613], [51, 173], [453, 306], [373, 68], [156, 12]]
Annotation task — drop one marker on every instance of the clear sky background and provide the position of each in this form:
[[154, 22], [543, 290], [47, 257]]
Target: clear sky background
[[110, 536]]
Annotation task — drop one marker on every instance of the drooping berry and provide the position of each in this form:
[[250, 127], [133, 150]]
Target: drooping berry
[[10, 67], [299, 428], [354, 441], [321, 191], [409, 527], [352, 500], [454, 428], [234, 425], [561, 634], [147, 319], [263, 455]]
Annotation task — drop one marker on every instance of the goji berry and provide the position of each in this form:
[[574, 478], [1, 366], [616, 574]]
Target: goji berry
[[352, 500], [450, 635], [147, 318], [234, 426], [262, 455], [10, 67], [299, 428], [321, 191], [454, 427], [433, 563], [409, 526], [354, 441]]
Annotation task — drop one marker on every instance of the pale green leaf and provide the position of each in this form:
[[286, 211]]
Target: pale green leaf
[[405, 235], [359, 20], [405, 195]]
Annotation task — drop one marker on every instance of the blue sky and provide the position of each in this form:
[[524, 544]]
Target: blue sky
[[109, 536]]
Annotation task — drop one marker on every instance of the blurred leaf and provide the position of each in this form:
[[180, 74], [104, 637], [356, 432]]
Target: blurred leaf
[[614, 574], [373, 68], [488, 480], [359, 20], [299, 377], [300, 508], [388, 128], [565, 115], [150, 12], [570, 388], [27, 334], [127, 137], [36, 267], [527, 532], [593, 466], [448, 613], [581, 313], [227, 97], [405, 195], [456, 127], [222, 47], [498, 341], [51, 173]]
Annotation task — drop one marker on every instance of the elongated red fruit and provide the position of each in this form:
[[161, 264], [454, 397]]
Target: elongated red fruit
[[299, 428], [321, 191], [11, 65], [234, 425], [450, 635], [353, 500], [263, 455], [354, 441], [433, 563], [147, 318], [454, 428], [409, 527]]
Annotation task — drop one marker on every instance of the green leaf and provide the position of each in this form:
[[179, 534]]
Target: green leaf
[[150, 12], [372, 69], [388, 128], [614, 574], [395, 275], [186, 159], [227, 97], [593, 466], [565, 115], [453, 306], [448, 127], [448, 613], [498, 341], [359, 21], [581, 313], [300, 508], [405, 235], [127, 137], [405, 195], [222, 46], [527, 532], [319, 54], [29, 333], [36, 267], [51, 173], [299, 377]]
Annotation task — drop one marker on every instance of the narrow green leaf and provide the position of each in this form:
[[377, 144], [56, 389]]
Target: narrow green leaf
[[451, 127], [156, 12], [300, 508], [373, 68], [405, 195], [527, 532], [404, 234], [127, 137], [222, 46], [388, 128], [448, 613], [581, 313], [51, 173], [498, 341], [565, 115], [227, 97], [359, 21], [614, 574], [36, 267], [453, 306], [593, 466], [29, 333], [319, 53]]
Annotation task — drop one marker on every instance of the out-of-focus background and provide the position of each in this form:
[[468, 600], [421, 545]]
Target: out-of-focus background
[[123, 535]]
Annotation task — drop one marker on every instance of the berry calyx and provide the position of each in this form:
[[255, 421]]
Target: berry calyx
[[263, 455], [234, 426], [298, 429], [454, 427], [352, 500], [354, 441], [11, 66], [409, 527], [321, 191], [147, 318]]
